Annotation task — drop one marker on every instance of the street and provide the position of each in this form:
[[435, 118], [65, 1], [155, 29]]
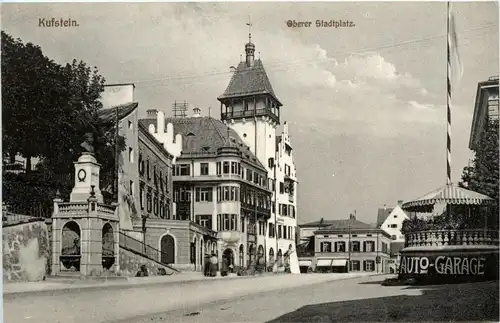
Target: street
[[354, 300], [287, 298], [112, 303]]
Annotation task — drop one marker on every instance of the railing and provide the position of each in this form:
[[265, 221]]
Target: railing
[[142, 249], [452, 238], [249, 113], [73, 207]]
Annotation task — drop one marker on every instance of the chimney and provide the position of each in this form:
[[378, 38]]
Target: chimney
[[152, 113], [400, 202], [196, 112], [352, 217]]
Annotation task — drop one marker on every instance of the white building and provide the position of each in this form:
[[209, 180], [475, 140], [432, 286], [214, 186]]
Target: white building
[[251, 108], [391, 221]]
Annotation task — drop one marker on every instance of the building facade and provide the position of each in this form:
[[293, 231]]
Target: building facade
[[349, 245], [250, 107], [485, 109], [220, 186], [391, 221]]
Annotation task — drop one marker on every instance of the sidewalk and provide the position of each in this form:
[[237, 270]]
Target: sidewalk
[[65, 285]]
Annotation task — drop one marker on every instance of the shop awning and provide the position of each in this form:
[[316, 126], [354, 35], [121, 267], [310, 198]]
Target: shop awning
[[339, 262], [305, 262], [324, 263]]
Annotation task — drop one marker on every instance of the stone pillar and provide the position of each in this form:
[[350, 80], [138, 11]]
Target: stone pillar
[[116, 235], [91, 242], [56, 237]]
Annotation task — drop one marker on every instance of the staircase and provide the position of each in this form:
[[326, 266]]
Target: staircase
[[143, 250]]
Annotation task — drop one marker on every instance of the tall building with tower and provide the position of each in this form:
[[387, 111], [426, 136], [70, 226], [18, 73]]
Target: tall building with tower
[[251, 108]]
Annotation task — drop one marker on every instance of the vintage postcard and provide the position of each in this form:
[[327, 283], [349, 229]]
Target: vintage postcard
[[250, 161]]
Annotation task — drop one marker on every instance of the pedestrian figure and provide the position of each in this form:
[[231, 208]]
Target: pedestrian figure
[[143, 272], [213, 265]]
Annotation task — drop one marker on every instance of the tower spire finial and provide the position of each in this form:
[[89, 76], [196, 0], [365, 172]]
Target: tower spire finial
[[249, 24]]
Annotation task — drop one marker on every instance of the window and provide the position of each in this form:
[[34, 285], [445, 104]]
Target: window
[[160, 178], [130, 125], [155, 178], [130, 155], [287, 170], [249, 175], [183, 170], [272, 232], [141, 193], [166, 182], [355, 265], [280, 233], [234, 168], [131, 188], [369, 246], [340, 235], [160, 208], [326, 246], [355, 246], [284, 232], [242, 221], [155, 205], [182, 194], [203, 194], [225, 169], [270, 162], [393, 237], [282, 188], [141, 164], [167, 211], [340, 246], [205, 220], [369, 265], [218, 168], [394, 226], [226, 193], [204, 169], [147, 170], [149, 202]]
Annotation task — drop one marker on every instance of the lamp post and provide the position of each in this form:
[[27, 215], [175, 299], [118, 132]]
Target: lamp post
[[349, 246]]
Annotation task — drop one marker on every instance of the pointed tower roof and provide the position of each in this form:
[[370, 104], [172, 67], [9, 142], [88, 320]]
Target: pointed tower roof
[[249, 81]]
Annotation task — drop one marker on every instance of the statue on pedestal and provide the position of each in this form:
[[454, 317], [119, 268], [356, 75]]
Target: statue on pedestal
[[87, 145]]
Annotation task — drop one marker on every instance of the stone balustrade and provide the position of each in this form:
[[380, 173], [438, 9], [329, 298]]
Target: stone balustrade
[[452, 238], [76, 208]]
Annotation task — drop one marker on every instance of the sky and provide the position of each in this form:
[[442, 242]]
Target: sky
[[366, 105]]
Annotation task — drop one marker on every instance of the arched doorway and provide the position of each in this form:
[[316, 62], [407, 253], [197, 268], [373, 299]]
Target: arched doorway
[[228, 256], [251, 255], [70, 246], [271, 255], [279, 258], [261, 256], [108, 246], [167, 248], [242, 255]]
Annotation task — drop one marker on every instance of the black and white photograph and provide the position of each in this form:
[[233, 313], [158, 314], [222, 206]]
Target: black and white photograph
[[265, 162]]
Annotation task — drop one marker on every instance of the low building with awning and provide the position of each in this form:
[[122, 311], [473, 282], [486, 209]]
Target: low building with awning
[[351, 245]]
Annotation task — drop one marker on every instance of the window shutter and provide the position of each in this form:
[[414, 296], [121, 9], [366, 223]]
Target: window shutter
[[210, 193]]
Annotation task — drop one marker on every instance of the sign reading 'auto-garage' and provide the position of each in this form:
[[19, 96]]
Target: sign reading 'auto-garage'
[[443, 265]]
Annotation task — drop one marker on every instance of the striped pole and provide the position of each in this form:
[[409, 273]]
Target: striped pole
[[448, 101]]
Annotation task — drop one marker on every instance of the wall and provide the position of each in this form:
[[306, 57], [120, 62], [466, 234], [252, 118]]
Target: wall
[[130, 263], [114, 95], [128, 170], [397, 217], [26, 251]]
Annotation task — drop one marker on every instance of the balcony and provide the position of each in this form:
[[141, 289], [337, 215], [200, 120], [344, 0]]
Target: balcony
[[452, 238], [249, 114]]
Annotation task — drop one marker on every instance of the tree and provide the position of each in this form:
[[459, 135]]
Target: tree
[[47, 110], [482, 174]]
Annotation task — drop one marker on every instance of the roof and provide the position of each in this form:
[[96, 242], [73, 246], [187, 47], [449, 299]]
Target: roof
[[383, 214], [123, 111], [202, 136], [450, 194], [249, 81], [346, 224], [480, 110], [317, 224]]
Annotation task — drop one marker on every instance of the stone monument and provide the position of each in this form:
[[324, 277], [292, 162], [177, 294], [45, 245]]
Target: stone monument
[[86, 174]]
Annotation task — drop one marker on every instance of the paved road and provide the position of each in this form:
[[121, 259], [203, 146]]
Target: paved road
[[112, 304], [355, 300]]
